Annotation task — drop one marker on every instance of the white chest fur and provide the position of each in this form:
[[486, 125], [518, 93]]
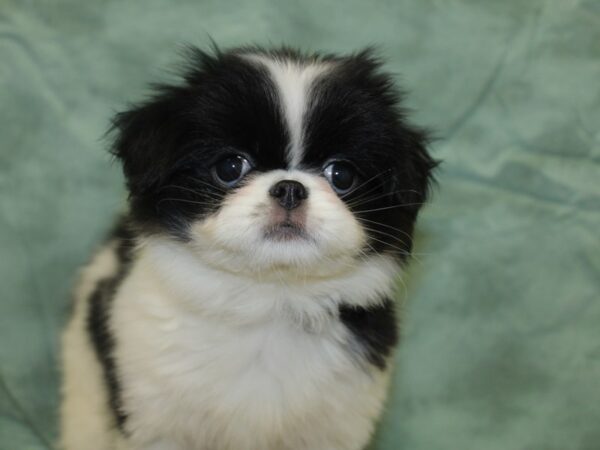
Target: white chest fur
[[208, 362]]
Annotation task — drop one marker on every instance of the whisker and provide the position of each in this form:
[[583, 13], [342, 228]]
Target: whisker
[[385, 234], [197, 180], [410, 253], [395, 247], [377, 186], [390, 207], [387, 226], [210, 195], [402, 252], [184, 201], [361, 200], [404, 294], [365, 183]]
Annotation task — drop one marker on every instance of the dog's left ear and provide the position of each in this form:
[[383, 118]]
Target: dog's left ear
[[414, 174], [149, 138], [422, 165]]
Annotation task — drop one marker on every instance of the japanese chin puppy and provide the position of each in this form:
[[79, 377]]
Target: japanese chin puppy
[[245, 301]]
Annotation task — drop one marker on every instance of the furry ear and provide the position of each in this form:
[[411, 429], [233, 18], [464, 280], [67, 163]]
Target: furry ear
[[423, 165], [149, 139], [414, 175]]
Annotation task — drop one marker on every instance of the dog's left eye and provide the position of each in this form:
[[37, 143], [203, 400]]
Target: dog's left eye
[[341, 176], [229, 171]]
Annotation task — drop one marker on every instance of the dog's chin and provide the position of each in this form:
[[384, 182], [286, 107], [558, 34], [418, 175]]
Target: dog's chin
[[287, 231], [283, 251]]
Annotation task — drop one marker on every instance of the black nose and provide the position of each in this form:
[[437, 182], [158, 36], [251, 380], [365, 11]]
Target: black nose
[[289, 193]]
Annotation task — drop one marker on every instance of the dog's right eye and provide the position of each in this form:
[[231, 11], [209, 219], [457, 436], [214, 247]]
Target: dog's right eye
[[341, 176], [230, 171]]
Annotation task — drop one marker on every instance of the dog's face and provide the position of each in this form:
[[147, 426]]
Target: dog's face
[[267, 161]]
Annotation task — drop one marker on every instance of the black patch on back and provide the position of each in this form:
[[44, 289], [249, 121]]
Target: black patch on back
[[374, 328], [99, 318]]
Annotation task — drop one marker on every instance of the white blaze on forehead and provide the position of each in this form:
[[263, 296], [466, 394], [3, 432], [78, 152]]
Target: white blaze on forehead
[[293, 81]]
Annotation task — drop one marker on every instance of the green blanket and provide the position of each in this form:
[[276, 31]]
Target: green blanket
[[501, 325]]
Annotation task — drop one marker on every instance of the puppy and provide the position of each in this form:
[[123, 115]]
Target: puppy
[[245, 300]]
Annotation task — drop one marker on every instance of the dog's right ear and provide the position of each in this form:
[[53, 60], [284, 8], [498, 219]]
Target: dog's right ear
[[149, 138]]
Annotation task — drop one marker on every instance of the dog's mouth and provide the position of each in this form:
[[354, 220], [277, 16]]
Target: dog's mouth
[[286, 230]]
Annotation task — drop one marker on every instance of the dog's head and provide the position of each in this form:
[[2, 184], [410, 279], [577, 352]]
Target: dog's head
[[265, 161]]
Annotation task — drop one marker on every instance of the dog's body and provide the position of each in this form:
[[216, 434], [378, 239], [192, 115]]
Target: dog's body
[[245, 305], [227, 375]]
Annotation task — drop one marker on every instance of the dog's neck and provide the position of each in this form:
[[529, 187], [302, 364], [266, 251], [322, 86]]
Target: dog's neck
[[202, 289]]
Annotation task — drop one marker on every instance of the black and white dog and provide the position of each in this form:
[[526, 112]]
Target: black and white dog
[[245, 301]]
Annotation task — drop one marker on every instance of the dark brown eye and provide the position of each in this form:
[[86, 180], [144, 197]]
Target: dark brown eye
[[341, 176], [230, 171]]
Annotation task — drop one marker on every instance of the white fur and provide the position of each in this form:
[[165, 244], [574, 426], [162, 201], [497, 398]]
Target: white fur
[[210, 360], [293, 81]]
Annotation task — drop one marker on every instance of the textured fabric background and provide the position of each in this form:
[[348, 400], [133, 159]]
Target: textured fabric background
[[501, 347]]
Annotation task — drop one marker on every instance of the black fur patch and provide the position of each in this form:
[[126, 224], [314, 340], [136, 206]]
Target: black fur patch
[[375, 329], [356, 116], [99, 317], [168, 145]]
